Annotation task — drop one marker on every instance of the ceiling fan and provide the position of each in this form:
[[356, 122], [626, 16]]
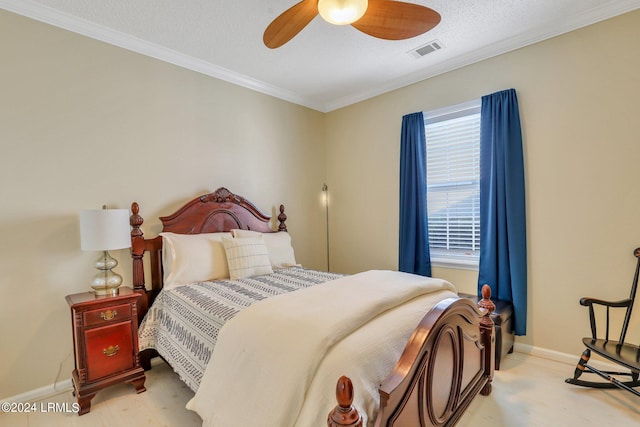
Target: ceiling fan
[[384, 19]]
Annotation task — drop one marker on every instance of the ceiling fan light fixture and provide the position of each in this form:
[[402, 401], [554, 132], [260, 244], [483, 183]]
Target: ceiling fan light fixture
[[342, 12]]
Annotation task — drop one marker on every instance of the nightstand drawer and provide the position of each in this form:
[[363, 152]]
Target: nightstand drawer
[[109, 350], [107, 314]]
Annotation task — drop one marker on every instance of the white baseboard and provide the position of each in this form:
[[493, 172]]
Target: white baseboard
[[556, 356], [53, 389], [42, 392]]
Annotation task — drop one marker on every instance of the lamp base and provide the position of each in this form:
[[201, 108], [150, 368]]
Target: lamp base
[[106, 282], [105, 291]]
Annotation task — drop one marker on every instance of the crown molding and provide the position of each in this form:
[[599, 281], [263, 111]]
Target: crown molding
[[51, 16], [552, 29], [95, 31]]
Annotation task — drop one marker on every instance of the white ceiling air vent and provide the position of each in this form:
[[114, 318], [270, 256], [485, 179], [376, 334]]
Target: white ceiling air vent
[[426, 49]]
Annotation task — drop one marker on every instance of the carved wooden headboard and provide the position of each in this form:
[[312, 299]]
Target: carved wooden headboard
[[219, 211]]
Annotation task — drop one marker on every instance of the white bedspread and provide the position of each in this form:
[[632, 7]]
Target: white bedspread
[[274, 361]]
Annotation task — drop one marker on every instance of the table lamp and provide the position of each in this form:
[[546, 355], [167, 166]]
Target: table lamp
[[104, 230]]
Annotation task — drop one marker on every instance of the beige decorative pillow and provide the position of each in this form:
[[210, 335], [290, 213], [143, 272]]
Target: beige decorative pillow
[[281, 253], [246, 257], [189, 258]]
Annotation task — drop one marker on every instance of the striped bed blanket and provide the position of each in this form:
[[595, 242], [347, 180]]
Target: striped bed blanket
[[183, 323]]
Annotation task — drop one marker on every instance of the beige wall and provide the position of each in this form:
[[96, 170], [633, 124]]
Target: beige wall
[[578, 98], [83, 123]]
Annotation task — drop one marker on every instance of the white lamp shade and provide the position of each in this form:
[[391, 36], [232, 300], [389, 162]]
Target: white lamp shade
[[342, 12], [104, 229]]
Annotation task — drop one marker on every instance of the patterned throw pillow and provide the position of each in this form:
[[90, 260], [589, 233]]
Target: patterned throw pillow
[[246, 257], [278, 244]]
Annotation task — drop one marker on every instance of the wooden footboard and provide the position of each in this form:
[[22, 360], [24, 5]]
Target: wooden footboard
[[448, 361]]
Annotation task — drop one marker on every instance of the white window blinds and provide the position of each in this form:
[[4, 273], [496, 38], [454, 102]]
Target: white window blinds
[[453, 184]]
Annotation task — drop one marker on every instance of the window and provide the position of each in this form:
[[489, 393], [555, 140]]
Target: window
[[453, 185]]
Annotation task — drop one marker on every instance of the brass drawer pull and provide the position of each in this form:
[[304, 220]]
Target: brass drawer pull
[[111, 350], [108, 315]]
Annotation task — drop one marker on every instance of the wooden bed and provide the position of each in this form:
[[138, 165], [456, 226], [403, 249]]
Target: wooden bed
[[448, 360]]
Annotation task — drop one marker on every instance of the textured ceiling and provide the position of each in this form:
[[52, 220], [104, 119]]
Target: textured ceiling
[[325, 66]]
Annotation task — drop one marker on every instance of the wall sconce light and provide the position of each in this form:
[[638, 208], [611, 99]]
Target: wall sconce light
[[104, 230], [325, 195], [325, 202], [342, 12]]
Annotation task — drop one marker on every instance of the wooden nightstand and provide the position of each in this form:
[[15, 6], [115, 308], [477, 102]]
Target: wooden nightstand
[[105, 343]]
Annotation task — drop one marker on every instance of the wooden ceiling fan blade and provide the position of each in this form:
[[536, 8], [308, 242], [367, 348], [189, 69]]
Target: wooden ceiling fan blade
[[396, 20], [289, 23]]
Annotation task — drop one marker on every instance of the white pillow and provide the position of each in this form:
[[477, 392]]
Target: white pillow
[[246, 257], [189, 258], [278, 244]]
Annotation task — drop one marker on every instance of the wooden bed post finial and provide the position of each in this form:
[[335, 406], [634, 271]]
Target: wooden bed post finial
[[282, 217], [344, 415], [486, 302]]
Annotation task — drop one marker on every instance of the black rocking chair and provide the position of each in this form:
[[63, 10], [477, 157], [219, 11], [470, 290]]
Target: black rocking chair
[[624, 354]]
